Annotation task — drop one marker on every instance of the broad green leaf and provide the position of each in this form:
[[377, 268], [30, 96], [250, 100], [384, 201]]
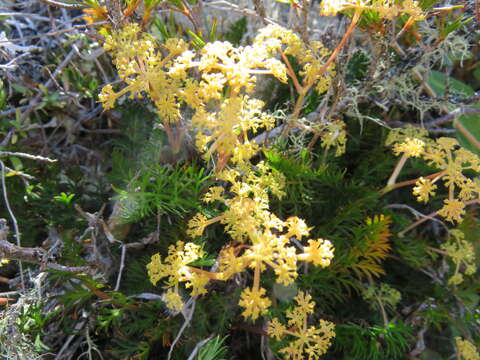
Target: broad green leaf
[[471, 123], [16, 163]]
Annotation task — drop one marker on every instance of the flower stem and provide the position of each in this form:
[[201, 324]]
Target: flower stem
[[393, 178], [434, 176], [356, 17]]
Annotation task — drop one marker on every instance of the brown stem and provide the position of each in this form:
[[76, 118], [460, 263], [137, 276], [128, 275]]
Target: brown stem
[[210, 275], [291, 73], [437, 250], [430, 216], [104, 296], [356, 17], [396, 171], [256, 278], [387, 188]]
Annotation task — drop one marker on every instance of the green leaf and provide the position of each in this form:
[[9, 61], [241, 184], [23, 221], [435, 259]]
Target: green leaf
[[3, 96], [16, 163], [196, 39], [438, 82], [467, 126]]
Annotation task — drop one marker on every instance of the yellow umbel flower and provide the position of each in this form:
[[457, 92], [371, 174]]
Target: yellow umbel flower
[[453, 210], [461, 252], [254, 302], [466, 350], [319, 252], [335, 136], [399, 135], [424, 189], [277, 39], [141, 65], [411, 147], [308, 342], [383, 293], [386, 9], [453, 162], [175, 269], [173, 300]]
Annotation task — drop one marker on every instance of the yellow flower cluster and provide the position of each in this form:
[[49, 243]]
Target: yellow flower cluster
[[424, 188], [141, 65], [309, 342], [461, 252], [217, 82], [399, 135], [335, 136], [383, 293], [260, 239], [386, 9], [410, 147], [175, 269], [466, 350], [453, 161], [311, 57]]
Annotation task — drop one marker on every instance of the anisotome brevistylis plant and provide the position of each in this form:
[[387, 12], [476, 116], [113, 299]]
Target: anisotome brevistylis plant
[[296, 180]]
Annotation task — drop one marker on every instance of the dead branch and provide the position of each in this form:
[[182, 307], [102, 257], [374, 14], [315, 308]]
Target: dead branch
[[37, 256]]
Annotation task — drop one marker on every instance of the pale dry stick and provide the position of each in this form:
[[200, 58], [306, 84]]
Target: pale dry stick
[[187, 313], [14, 220], [226, 6], [475, 98], [11, 64], [64, 5], [27, 156], [260, 9], [304, 26], [36, 256], [197, 347], [20, 173], [26, 15], [136, 245], [54, 33], [10, 112], [420, 344], [93, 56], [90, 347], [396, 172], [35, 101], [65, 346], [415, 212], [120, 270], [453, 115], [442, 131]]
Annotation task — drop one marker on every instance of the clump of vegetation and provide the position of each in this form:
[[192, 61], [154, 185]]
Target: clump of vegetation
[[183, 184]]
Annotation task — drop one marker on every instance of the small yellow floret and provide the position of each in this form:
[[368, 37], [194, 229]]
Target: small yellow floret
[[320, 252], [424, 189], [411, 147], [173, 300], [308, 342], [466, 350], [197, 225], [254, 302], [453, 210]]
